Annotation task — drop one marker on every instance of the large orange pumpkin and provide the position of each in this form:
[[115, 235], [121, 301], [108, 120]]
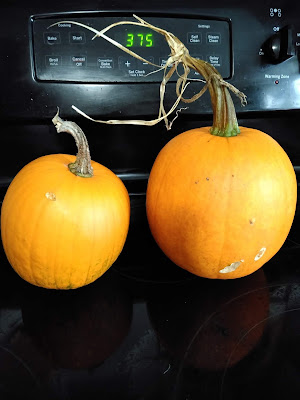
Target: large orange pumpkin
[[221, 199], [64, 220]]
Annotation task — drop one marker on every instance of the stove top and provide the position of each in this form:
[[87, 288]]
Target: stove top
[[150, 330]]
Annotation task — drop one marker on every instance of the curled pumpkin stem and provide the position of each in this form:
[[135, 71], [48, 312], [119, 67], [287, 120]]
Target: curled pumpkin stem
[[82, 166]]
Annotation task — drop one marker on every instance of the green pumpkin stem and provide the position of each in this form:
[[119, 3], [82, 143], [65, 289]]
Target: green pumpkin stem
[[224, 115], [82, 166]]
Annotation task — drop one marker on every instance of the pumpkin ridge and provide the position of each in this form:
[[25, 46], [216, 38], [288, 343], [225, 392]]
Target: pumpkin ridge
[[68, 191], [38, 214], [163, 179], [92, 200], [90, 221], [63, 189], [25, 188], [227, 201]]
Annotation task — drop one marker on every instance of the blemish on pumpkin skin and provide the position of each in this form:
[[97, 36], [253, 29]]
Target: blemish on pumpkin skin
[[260, 253], [207, 179], [50, 196], [252, 221], [70, 286], [232, 267]]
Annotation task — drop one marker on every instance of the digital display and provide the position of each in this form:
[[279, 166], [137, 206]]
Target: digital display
[[139, 40]]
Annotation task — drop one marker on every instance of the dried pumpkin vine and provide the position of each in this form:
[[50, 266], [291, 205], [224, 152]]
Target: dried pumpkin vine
[[224, 117]]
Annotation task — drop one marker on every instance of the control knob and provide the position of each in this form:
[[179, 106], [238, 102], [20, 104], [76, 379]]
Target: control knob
[[280, 46]]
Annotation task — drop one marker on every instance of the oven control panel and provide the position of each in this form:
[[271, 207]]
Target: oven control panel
[[66, 52], [53, 60]]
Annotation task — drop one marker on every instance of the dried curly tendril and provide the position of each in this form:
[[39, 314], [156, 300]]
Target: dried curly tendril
[[224, 116]]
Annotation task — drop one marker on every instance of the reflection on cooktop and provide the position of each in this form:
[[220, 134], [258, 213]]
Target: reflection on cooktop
[[149, 330]]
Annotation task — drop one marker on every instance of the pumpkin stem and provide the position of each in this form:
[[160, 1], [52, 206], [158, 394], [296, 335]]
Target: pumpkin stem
[[82, 165], [224, 115]]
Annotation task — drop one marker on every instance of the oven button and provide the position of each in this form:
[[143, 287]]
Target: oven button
[[78, 61], [127, 63], [194, 38], [105, 63], [53, 61], [144, 65], [52, 37], [163, 62], [213, 38], [214, 60], [77, 37]]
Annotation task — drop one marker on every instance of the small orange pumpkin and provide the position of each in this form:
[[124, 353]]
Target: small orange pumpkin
[[221, 200], [64, 220]]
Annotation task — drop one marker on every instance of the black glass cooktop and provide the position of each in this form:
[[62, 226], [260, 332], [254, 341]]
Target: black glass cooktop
[[150, 330]]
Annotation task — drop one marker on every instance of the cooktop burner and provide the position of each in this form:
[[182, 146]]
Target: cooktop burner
[[149, 330]]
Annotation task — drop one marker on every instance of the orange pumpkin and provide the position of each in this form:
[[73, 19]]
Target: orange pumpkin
[[64, 220], [221, 200]]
